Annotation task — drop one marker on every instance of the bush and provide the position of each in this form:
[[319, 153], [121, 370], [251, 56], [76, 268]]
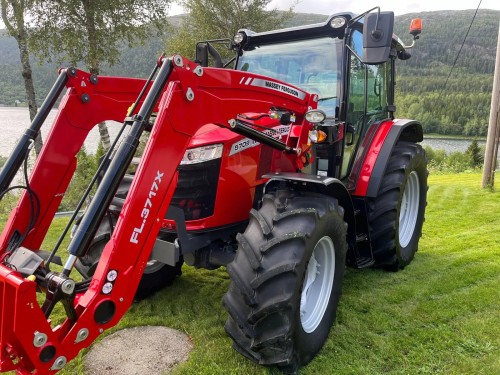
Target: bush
[[455, 162], [8, 202], [85, 169], [475, 154]]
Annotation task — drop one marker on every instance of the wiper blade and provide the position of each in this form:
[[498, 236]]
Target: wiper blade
[[326, 98]]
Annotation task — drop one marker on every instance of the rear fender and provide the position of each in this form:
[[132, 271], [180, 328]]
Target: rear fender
[[379, 151], [324, 185]]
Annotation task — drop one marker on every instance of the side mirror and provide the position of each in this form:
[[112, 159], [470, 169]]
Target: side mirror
[[203, 49], [377, 37], [202, 54]]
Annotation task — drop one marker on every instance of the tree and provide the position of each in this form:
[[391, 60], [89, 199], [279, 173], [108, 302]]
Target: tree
[[218, 19], [474, 154], [91, 31], [13, 12]]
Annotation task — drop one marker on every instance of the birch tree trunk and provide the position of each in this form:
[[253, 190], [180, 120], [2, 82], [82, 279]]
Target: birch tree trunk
[[13, 18], [90, 20]]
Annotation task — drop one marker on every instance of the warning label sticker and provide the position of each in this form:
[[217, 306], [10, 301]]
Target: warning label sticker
[[247, 143]]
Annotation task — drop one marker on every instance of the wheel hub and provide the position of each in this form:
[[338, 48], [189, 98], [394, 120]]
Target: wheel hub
[[408, 212], [318, 284]]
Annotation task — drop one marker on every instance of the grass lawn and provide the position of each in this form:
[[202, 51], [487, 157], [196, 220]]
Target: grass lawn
[[439, 315]]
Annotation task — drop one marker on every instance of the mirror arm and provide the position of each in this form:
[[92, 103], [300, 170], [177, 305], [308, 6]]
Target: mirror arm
[[229, 62], [411, 45], [364, 14]]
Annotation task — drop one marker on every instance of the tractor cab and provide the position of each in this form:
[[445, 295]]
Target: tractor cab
[[348, 62]]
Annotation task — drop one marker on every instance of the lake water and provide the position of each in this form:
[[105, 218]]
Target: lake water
[[14, 121]]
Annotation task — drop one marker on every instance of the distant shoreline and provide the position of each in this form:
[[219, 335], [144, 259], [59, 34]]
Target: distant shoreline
[[436, 136]]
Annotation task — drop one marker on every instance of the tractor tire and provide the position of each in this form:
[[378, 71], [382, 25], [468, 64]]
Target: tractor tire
[[286, 279], [156, 275], [396, 215]]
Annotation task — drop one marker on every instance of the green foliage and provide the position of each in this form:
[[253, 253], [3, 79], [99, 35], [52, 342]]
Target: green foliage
[[475, 154], [462, 107], [455, 162], [85, 169], [3, 159], [7, 203], [219, 19], [93, 31]]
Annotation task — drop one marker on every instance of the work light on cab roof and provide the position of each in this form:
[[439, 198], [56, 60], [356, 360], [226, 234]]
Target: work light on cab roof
[[239, 38], [338, 22]]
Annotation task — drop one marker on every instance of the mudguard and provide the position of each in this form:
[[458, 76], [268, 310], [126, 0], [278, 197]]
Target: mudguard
[[370, 164], [321, 184]]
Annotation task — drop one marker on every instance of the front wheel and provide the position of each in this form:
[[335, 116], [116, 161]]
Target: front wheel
[[156, 275], [396, 215], [286, 279]]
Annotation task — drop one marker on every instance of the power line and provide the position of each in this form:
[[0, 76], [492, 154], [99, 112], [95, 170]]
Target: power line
[[462, 46]]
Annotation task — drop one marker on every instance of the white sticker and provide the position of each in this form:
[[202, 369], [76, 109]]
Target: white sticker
[[247, 143], [258, 82]]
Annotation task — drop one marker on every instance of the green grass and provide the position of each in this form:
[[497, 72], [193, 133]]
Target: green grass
[[441, 315]]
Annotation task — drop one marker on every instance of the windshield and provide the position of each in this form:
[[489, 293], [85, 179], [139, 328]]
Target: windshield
[[313, 65]]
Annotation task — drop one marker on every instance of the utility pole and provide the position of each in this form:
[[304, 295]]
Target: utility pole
[[490, 156]]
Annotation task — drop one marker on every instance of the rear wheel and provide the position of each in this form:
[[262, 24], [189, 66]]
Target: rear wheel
[[156, 275], [396, 215], [286, 279]]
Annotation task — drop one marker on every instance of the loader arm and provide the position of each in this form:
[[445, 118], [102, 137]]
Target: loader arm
[[186, 97]]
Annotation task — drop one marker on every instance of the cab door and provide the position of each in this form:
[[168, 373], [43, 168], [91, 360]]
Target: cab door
[[367, 99]]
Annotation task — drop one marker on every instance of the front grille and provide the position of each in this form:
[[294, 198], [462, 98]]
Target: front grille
[[196, 189]]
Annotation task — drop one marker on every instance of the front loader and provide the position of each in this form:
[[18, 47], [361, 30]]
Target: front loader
[[284, 165]]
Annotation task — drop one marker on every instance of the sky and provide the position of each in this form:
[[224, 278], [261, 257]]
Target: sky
[[359, 6]]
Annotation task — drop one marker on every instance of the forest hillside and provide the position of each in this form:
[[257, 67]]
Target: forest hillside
[[459, 108]]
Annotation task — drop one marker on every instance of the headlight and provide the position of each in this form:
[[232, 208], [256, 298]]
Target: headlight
[[337, 22], [315, 116], [239, 38], [202, 154]]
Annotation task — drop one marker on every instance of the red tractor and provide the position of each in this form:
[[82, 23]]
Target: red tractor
[[284, 165]]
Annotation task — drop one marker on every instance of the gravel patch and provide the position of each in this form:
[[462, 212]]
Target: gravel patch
[[138, 350]]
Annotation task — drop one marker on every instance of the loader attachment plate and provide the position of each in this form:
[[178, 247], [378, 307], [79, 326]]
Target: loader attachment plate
[[21, 321]]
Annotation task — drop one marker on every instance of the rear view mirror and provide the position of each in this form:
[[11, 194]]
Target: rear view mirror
[[203, 49], [201, 54], [377, 37]]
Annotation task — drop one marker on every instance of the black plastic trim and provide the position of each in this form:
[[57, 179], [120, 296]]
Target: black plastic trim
[[330, 186], [406, 130]]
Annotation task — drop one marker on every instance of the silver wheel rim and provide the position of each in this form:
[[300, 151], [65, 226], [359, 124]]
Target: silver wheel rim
[[318, 283], [408, 211], [153, 266]]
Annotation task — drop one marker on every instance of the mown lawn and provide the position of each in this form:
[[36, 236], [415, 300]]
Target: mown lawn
[[439, 315]]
